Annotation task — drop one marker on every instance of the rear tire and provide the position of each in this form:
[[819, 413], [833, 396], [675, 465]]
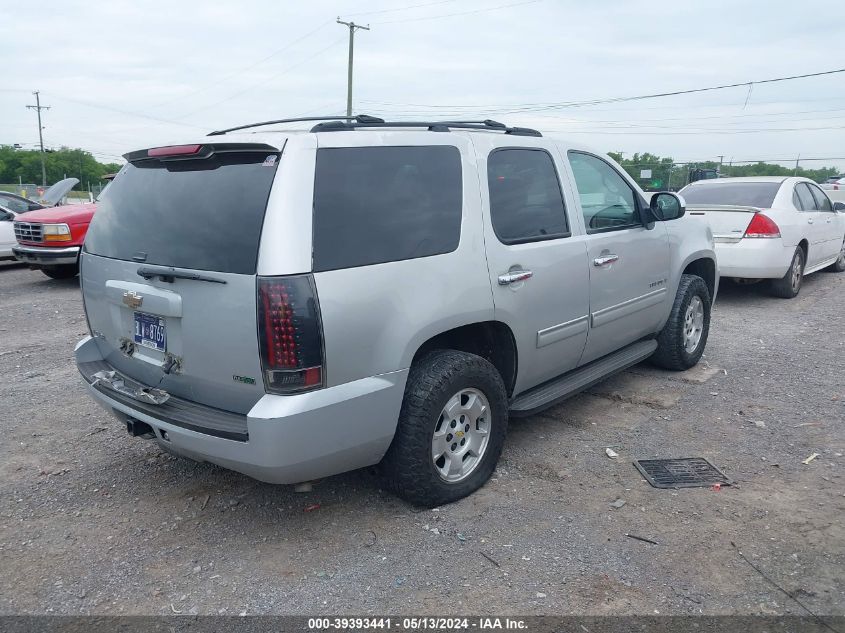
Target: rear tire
[[788, 286], [839, 265], [62, 271], [681, 342], [454, 418]]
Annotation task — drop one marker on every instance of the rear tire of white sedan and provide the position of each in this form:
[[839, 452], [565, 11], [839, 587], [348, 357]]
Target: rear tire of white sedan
[[788, 286]]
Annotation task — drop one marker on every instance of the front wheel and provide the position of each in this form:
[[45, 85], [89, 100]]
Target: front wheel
[[787, 287], [62, 271], [451, 429], [681, 342]]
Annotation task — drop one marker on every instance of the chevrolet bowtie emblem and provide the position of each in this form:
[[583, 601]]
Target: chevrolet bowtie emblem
[[132, 299]]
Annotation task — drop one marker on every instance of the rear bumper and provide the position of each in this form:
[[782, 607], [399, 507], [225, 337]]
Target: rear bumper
[[46, 255], [286, 439], [752, 258]]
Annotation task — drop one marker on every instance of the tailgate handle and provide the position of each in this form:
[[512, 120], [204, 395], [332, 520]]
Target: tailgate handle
[[169, 274]]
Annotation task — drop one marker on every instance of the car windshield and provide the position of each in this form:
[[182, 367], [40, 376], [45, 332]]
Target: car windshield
[[17, 203], [747, 194]]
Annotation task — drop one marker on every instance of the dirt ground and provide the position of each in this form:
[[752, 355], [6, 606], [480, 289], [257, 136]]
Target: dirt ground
[[95, 522]]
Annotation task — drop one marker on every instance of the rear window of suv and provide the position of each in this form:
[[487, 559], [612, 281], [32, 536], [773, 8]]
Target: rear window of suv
[[745, 194], [382, 204], [203, 213]]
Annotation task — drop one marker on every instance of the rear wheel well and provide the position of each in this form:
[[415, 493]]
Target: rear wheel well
[[492, 340], [804, 246], [706, 269]]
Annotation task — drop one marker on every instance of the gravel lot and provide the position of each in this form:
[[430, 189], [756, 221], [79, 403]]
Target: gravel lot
[[95, 522]]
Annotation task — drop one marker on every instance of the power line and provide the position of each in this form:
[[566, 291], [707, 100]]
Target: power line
[[451, 15], [528, 107], [255, 85], [413, 6], [244, 69], [699, 132], [127, 112]]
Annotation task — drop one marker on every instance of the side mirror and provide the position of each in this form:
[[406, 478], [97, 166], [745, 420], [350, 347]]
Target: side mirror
[[839, 207], [666, 206]]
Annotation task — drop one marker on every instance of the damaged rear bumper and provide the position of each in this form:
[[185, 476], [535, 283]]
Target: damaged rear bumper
[[282, 439]]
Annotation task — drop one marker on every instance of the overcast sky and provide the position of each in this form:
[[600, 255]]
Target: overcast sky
[[122, 75]]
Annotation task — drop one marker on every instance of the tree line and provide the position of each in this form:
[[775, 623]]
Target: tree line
[[20, 165], [667, 174]]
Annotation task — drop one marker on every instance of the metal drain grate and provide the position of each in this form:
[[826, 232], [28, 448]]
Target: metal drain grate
[[689, 472]]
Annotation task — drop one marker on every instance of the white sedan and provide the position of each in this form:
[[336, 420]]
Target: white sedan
[[7, 234], [772, 228]]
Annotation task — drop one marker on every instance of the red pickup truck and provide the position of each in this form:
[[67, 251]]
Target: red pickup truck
[[50, 240]]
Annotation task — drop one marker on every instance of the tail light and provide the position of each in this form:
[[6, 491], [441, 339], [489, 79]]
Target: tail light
[[290, 334], [762, 226]]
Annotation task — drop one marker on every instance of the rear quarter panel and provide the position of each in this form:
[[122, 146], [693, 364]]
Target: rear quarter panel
[[689, 240], [376, 317]]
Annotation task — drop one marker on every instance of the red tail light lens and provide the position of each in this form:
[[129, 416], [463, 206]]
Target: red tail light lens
[[290, 334], [762, 226]]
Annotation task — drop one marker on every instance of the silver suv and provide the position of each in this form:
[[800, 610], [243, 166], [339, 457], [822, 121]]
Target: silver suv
[[295, 304]]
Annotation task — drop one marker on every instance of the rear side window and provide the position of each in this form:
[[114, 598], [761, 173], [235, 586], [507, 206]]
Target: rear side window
[[744, 194], [526, 203], [203, 213], [383, 204], [822, 201], [805, 197]]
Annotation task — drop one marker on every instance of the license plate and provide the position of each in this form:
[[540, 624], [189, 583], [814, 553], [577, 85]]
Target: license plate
[[150, 331]]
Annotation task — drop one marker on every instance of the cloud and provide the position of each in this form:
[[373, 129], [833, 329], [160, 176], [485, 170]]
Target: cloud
[[101, 65]]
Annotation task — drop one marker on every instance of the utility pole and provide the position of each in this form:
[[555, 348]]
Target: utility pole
[[38, 108], [352, 26]]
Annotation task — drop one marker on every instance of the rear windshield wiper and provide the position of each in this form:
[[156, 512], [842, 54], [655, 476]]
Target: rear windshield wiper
[[169, 274]]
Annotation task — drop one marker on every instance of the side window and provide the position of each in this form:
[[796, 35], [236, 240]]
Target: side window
[[607, 200], [385, 204], [796, 201], [808, 203], [822, 201], [526, 203]]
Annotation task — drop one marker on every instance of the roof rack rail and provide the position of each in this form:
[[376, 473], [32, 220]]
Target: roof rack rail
[[360, 118], [338, 124]]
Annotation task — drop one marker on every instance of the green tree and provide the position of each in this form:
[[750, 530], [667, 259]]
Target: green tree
[[18, 165]]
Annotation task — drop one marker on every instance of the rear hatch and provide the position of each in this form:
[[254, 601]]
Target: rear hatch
[[169, 270]]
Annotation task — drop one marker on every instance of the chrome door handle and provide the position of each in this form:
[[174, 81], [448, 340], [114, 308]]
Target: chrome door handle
[[515, 276], [605, 259], [829, 220], [809, 220]]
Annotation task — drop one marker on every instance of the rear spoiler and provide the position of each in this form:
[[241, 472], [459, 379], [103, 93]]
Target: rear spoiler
[[700, 209], [192, 152]]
